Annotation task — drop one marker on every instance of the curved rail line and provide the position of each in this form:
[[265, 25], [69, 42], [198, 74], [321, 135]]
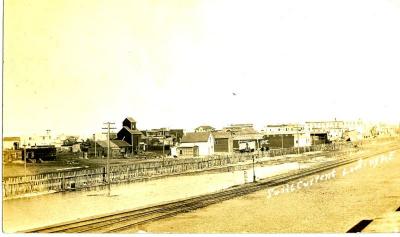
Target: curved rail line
[[122, 221]]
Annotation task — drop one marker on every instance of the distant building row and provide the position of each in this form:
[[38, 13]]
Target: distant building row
[[206, 140]]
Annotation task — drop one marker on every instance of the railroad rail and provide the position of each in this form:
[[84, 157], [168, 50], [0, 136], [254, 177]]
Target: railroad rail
[[131, 219]]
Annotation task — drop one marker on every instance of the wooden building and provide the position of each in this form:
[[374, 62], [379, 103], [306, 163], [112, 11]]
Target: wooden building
[[247, 142], [45, 153], [124, 147], [197, 144], [11, 143], [223, 142], [319, 138], [156, 139], [244, 137], [118, 148], [286, 135], [277, 141], [102, 146], [130, 134], [12, 155], [188, 150]]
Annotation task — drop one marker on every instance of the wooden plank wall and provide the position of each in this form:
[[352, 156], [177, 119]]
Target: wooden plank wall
[[62, 181]]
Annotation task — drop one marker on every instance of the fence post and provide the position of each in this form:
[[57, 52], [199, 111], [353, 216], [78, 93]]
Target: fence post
[[63, 182]]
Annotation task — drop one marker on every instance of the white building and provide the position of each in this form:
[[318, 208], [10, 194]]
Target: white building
[[274, 129], [44, 140], [334, 129], [338, 129], [302, 139], [197, 144], [11, 143], [36, 140], [287, 135]]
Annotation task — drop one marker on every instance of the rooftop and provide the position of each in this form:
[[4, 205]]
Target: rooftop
[[205, 127], [332, 121], [285, 125], [120, 143], [130, 119], [133, 132], [248, 137], [11, 139], [221, 134], [104, 144], [195, 137], [240, 130]]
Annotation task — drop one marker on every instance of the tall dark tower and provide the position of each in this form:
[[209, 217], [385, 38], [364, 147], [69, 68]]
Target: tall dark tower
[[130, 123]]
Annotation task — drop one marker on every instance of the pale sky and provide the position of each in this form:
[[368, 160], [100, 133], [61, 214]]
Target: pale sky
[[70, 65]]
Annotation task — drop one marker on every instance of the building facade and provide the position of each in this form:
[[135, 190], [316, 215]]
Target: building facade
[[130, 134], [287, 135], [11, 143], [223, 142], [197, 144]]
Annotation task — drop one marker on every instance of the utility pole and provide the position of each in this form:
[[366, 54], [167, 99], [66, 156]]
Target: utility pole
[[163, 141], [298, 141], [163, 147], [254, 172], [108, 155], [95, 148], [24, 160], [132, 144], [48, 134]]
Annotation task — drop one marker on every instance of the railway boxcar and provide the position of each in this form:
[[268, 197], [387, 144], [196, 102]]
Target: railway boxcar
[[45, 153]]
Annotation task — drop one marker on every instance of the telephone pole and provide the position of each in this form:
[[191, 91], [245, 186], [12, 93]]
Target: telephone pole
[[95, 149], [108, 155], [163, 140], [254, 171], [298, 141], [49, 136], [24, 160], [132, 145]]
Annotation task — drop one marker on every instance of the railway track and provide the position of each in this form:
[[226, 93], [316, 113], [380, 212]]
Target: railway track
[[128, 220]]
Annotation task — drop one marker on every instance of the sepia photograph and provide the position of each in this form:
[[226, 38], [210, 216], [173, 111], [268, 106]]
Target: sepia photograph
[[200, 116]]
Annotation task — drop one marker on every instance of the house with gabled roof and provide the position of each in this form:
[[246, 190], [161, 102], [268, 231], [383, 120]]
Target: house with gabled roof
[[196, 144], [102, 147]]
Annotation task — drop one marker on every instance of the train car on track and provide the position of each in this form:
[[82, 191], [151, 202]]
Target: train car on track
[[44, 153]]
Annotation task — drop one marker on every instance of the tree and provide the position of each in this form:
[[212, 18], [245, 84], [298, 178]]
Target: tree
[[71, 140], [373, 131]]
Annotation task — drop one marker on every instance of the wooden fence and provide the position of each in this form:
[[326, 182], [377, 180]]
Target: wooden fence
[[90, 178], [11, 155]]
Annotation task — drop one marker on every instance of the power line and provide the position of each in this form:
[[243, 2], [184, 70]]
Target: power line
[[108, 154]]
